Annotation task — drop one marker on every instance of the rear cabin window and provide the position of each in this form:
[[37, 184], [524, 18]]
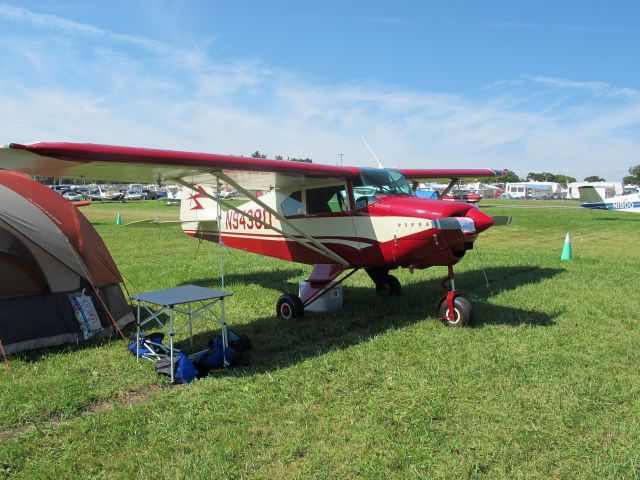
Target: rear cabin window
[[292, 205]]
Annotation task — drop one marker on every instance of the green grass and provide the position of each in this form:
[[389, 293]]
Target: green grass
[[545, 385]]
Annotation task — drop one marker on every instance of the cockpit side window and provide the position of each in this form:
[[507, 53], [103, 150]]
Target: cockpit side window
[[327, 200]]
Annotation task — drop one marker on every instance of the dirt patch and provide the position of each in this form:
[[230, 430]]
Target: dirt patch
[[122, 398]]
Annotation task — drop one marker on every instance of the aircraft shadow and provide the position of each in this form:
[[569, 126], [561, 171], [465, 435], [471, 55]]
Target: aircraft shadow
[[617, 219], [278, 343], [279, 280]]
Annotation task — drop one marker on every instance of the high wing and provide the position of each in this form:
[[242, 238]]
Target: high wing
[[126, 164], [420, 174], [115, 163]]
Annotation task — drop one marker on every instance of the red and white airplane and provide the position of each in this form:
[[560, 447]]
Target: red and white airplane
[[339, 219]]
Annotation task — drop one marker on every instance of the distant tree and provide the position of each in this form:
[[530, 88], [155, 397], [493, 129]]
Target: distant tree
[[507, 176], [594, 178], [279, 157], [536, 177], [634, 178], [257, 154], [550, 177], [563, 179], [305, 160]]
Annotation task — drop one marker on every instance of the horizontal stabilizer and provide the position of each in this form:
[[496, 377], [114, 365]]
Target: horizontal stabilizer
[[154, 221]]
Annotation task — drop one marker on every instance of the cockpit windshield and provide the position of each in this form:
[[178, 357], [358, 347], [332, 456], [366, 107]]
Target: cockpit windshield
[[375, 183]]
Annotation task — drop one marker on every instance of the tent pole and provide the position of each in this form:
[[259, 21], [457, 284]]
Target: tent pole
[[4, 356], [223, 322]]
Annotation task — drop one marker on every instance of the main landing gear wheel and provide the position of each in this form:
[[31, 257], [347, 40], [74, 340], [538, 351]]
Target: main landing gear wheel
[[289, 306], [391, 286], [463, 312]]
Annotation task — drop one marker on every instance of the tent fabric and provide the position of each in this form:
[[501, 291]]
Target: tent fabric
[[73, 224], [33, 224], [49, 252], [57, 275]]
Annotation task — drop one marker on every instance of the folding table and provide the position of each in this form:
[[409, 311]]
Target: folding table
[[190, 300]]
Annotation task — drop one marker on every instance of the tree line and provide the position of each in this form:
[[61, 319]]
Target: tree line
[[257, 154], [512, 177]]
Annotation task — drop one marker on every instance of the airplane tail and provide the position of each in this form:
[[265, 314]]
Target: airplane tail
[[590, 195], [199, 213]]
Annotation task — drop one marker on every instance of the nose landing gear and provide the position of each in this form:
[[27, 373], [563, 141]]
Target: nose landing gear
[[453, 310]]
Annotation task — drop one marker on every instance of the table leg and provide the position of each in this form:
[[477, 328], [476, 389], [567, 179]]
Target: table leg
[[171, 343], [225, 338], [138, 334], [190, 325]]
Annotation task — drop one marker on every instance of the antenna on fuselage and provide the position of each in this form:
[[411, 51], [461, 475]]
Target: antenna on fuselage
[[372, 152]]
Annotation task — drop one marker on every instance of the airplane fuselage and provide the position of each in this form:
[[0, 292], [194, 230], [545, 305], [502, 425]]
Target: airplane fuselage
[[624, 203], [391, 231]]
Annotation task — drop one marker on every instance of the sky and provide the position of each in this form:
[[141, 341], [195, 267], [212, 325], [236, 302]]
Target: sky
[[529, 86]]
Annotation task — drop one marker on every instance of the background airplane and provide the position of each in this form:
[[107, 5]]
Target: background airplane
[[339, 219], [591, 198]]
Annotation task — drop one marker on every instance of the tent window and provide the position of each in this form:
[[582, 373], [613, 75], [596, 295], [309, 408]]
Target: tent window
[[17, 279], [12, 245]]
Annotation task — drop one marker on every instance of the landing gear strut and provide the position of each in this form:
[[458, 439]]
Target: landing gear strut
[[453, 310], [386, 284]]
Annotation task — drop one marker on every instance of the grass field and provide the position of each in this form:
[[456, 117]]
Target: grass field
[[546, 385]]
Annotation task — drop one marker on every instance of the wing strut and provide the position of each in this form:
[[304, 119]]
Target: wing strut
[[448, 189], [316, 246]]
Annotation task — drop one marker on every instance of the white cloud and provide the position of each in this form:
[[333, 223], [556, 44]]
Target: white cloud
[[64, 25], [95, 88], [598, 87]]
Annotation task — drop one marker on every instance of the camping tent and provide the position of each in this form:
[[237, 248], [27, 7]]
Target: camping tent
[[49, 255]]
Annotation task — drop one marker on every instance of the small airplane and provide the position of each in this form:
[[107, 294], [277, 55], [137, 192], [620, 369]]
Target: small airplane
[[591, 198], [101, 193], [339, 219]]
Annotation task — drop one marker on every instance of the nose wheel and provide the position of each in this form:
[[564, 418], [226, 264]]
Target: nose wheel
[[454, 310]]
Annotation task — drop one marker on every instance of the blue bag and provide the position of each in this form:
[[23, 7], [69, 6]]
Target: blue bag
[[185, 371]]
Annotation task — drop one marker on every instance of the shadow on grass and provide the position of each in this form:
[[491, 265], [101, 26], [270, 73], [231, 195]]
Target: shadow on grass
[[618, 219], [279, 343], [274, 279]]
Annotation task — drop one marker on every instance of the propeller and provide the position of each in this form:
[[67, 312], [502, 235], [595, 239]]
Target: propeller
[[501, 220]]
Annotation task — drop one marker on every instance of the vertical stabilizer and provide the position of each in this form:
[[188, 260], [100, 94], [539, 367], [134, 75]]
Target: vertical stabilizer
[[199, 213], [590, 195]]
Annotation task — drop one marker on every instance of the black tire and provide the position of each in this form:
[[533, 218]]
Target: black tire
[[289, 306], [391, 287], [463, 309]]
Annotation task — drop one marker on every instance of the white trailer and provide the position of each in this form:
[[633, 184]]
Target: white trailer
[[610, 189], [534, 190]]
